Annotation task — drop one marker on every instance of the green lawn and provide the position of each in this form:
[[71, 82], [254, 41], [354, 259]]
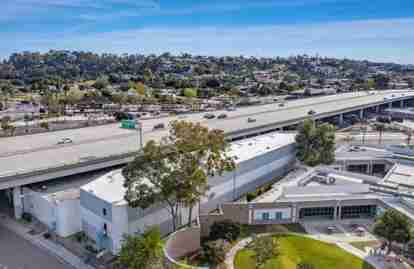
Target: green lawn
[[295, 249]]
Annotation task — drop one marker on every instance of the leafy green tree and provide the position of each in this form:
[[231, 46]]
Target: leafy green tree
[[225, 230], [197, 153], [315, 144], [190, 92], [101, 83], [393, 226], [326, 143], [215, 251], [142, 252], [265, 248], [151, 178], [5, 123]]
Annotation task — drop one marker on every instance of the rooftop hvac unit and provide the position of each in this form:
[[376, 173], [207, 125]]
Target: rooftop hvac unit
[[326, 180]]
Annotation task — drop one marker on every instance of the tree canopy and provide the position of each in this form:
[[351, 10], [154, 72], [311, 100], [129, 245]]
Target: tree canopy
[[315, 144], [176, 170], [142, 252], [393, 226]]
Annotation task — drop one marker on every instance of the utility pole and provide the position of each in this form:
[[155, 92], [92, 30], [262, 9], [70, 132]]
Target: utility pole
[[140, 134]]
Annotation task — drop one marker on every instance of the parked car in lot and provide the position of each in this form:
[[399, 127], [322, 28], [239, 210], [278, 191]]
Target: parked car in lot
[[251, 120], [222, 116], [64, 141], [209, 116], [159, 126]]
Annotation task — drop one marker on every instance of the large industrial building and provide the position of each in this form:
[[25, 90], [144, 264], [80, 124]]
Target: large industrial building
[[106, 216]]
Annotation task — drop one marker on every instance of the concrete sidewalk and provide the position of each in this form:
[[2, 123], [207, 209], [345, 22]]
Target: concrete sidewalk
[[56, 250]]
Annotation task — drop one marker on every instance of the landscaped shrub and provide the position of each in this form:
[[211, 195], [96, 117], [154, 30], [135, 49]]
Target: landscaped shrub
[[215, 251], [226, 229], [250, 196]]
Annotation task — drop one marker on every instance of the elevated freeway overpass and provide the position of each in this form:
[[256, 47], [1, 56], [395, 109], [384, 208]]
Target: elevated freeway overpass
[[35, 158]]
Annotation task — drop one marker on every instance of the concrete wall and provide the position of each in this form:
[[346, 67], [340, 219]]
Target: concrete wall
[[40, 208], [244, 213], [69, 217], [63, 216], [180, 244]]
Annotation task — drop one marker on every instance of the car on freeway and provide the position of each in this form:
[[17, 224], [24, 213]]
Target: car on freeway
[[251, 120], [209, 116], [281, 104], [159, 126], [222, 116], [64, 141], [311, 112]]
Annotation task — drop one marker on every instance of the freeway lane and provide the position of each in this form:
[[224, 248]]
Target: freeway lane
[[41, 151], [265, 114]]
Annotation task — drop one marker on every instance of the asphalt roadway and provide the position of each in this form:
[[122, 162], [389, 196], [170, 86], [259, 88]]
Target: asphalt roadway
[[17, 253], [40, 151]]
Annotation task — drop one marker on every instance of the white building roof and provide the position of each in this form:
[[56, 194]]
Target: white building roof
[[110, 187], [251, 148], [402, 174]]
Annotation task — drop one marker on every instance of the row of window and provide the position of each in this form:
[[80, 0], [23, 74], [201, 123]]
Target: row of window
[[269, 216]]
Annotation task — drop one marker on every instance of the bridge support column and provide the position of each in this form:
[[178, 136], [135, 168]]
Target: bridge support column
[[18, 202], [377, 109], [390, 105], [402, 103], [361, 114], [341, 119]]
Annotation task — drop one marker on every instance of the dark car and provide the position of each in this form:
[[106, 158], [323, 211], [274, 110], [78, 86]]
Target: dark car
[[222, 116], [311, 112], [209, 116], [281, 104], [159, 126], [251, 120]]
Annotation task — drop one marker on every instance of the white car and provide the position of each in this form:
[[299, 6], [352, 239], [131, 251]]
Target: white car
[[64, 141]]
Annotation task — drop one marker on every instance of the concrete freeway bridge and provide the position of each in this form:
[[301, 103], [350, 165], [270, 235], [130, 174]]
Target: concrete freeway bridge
[[36, 158]]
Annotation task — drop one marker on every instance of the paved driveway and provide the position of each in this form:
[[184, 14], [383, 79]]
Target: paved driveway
[[17, 253]]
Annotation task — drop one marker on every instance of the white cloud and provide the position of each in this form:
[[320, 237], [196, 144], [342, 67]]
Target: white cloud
[[381, 40]]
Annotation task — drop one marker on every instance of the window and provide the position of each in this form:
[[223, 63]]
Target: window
[[278, 215], [104, 211], [105, 228], [265, 216]]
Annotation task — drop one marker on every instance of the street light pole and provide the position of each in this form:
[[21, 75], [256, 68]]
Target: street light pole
[[140, 134]]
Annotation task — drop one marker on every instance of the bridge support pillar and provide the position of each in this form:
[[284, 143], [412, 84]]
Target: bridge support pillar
[[390, 105], [361, 114], [341, 119], [402, 103], [18, 202], [377, 109]]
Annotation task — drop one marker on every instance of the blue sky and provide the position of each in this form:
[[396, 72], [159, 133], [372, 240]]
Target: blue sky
[[376, 30]]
